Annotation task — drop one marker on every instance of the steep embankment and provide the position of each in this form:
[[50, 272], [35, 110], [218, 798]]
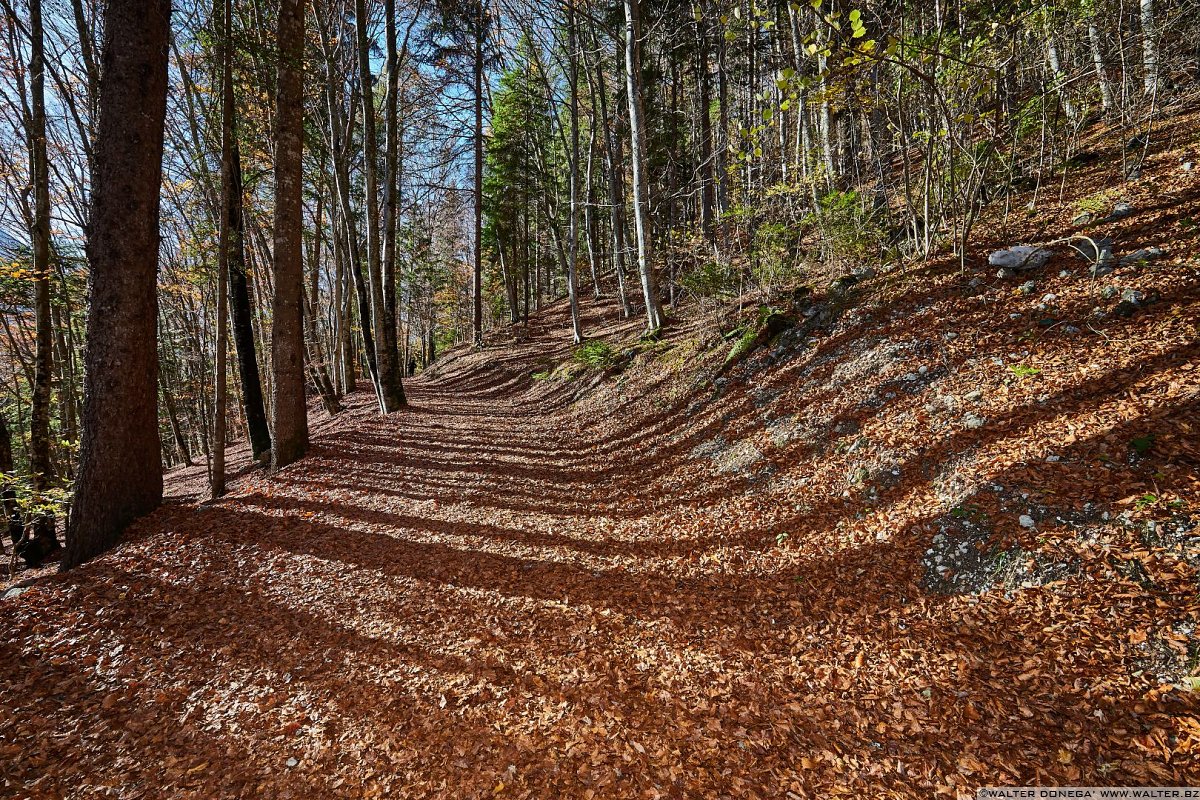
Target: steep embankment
[[939, 534]]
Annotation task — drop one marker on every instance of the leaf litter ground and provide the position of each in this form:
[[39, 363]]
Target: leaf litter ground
[[641, 582]]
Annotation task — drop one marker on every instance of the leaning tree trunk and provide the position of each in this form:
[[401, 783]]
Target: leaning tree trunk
[[287, 325], [120, 462], [242, 316]]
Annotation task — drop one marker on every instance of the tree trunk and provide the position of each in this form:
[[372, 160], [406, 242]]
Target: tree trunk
[[243, 313], [225, 48], [40, 464], [120, 463], [477, 282], [616, 192], [573, 155], [1106, 95], [390, 392], [287, 326], [1149, 48], [637, 138], [8, 496], [391, 198]]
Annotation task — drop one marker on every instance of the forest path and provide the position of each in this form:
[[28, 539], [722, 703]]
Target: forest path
[[497, 592], [467, 598]]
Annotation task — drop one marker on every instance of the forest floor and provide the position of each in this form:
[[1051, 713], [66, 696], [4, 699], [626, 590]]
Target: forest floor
[[941, 534]]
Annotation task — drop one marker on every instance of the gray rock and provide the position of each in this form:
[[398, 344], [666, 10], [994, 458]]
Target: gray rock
[[1100, 270], [1108, 292], [1049, 298], [1121, 210], [293, 763], [15, 591], [1005, 273], [1021, 257], [975, 395], [1146, 254], [973, 421], [1132, 296], [1028, 287], [1084, 219], [1026, 521], [1187, 166]]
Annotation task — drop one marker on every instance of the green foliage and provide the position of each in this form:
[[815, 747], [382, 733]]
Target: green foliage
[[744, 343], [32, 505], [1023, 370], [710, 279], [596, 353], [776, 245], [850, 229]]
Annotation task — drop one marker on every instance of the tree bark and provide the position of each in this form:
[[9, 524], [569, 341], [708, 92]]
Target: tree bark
[[120, 463], [637, 138], [573, 235], [477, 282], [225, 48], [287, 326], [391, 202], [390, 393], [243, 314], [41, 466]]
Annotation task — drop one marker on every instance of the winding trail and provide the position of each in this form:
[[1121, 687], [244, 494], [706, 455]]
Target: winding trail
[[493, 594]]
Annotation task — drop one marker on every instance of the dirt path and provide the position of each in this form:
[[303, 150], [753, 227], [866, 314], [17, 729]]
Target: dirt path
[[486, 596]]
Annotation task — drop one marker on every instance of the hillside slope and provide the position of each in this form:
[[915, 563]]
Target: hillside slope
[[937, 532]]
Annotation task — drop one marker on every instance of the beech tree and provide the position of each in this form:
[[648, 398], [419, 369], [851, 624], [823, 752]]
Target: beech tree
[[287, 328], [120, 463]]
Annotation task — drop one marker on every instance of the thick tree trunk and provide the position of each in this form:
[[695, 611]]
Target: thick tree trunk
[[637, 138], [391, 202], [287, 325], [120, 463]]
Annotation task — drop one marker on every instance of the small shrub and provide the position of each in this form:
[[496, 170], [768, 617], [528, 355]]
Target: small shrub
[[850, 228], [596, 353], [1023, 370], [710, 279]]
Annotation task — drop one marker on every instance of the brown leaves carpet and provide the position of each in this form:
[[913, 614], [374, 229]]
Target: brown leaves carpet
[[647, 586]]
